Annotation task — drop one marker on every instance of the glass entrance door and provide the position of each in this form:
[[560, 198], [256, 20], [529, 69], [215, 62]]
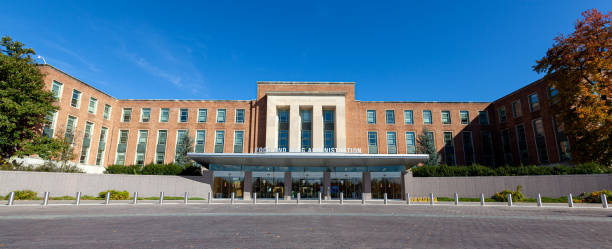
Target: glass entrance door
[[308, 184], [349, 183], [267, 184], [386, 182], [226, 183]]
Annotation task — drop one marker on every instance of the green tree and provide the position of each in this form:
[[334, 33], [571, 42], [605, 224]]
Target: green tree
[[184, 145], [426, 145], [24, 103], [578, 67]]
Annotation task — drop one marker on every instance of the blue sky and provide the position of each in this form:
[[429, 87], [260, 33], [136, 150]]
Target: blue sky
[[393, 50]]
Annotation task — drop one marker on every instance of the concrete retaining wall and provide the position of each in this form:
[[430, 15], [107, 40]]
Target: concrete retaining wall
[[547, 185], [60, 184]]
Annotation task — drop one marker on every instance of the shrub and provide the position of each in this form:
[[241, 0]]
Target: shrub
[[24, 195], [161, 169], [192, 171], [122, 169], [595, 197], [115, 195], [479, 170], [503, 195]]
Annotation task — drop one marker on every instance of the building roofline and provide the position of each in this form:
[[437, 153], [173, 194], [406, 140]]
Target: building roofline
[[303, 83], [187, 100], [75, 78], [520, 89], [442, 102]]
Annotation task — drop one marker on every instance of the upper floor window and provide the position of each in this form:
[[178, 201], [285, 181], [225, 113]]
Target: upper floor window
[[553, 94], [427, 117], [446, 117], [328, 116], [283, 116], [76, 98], [107, 111], [371, 116], [390, 116], [220, 115], [516, 109], [483, 117], [410, 143], [408, 119], [56, 89], [372, 142], [164, 115], [239, 116], [126, 116], [145, 115], [93, 105], [534, 103], [391, 143], [202, 115], [502, 114], [183, 115], [464, 116]]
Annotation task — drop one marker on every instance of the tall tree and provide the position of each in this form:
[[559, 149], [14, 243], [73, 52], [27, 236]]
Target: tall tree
[[184, 145], [578, 66], [23, 101], [426, 145]]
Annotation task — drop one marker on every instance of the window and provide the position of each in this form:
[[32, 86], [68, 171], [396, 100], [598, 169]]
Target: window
[[427, 117], [70, 128], [121, 147], [446, 117], [101, 146], [238, 141], [521, 141], [408, 117], [56, 89], [160, 150], [141, 148], [328, 129], [76, 99], [502, 114], [306, 117], [164, 115], [200, 141], [563, 145], [219, 141], [86, 142], [483, 117], [126, 116], [540, 140], [516, 109], [553, 94], [239, 116], [534, 104], [468, 148], [449, 148], [180, 141], [93, 105], [390, 116], [49, 127], [391, 143], [371, 115], [410, 143], [202, 115], [107, 112], [183, 115], [145, 115], [488, 157], [465, 117], [283, 130], [505, 139], [372, 142], [220, 115]]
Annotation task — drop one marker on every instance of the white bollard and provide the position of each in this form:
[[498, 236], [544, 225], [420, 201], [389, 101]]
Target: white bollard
[[408, 199], [78, 199], [135, 198], [456, 199], [276, 199], [509, 200], [233, 197], [482, 200], [161, 198], [107, 199], [570, 201], [539, 200], [341, 198], [320, 199], [46, 199], [431, 199], [209, 197], [11, 198], [385, 198], [604, 200], [186, 197], [254, 198]]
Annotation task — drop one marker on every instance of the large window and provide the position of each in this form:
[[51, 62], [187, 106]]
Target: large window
[[164, 115], [540, 139], [483, 117], [141, 148], [391, 142], [390, 116], [410, 143], [372, 142], [121, 147], [160, 150], [70, 128], [202, 115], [107, 112], [446, 117], [283, 130], [516, 109], [563, 145], [427, 117], [487, 158], [306, 117], [328, 129], [93, 105], [101, 146], [56, 89], [521, 141], [468, 148], [220, 115], [534, 103], [408, 119], [238, 141], [465, 117], [126, 116], [553, 94], [145, 115], [200, 141], [86, 142], [502, 114], [505, 137], [180, 141], [49, 127], [449, 148], [371, 116], [219, 141], [76, 99], [183, 115], [239, 116]]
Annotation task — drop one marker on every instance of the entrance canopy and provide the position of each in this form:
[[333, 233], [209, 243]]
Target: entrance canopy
[[307, 159]]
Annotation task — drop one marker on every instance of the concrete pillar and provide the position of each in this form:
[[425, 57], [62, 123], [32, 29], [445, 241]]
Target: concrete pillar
[[403, 177], [340, 125], [247, 189], [295, 128], [326, 185], [287, 186], [271, 126], [317, 127], [367, 186]]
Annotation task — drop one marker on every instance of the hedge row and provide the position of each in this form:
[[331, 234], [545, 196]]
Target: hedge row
[[154, 169], [479, 170]]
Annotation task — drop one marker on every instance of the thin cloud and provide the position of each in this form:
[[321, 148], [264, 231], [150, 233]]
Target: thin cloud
[[77, 56]]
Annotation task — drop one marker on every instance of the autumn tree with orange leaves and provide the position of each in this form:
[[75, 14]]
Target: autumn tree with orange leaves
[[578, 66]]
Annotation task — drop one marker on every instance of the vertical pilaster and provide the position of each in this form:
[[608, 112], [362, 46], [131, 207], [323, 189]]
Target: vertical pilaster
[[248, 185], [326, 185], [294, 128], [287, 186], [367, 186], [317, 128], [271, 126]]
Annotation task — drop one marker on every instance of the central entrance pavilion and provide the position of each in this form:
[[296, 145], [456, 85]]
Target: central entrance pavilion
[[288, 173]]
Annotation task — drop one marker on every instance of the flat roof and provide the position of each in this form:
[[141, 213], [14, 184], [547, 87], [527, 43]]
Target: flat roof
[[304, 83]]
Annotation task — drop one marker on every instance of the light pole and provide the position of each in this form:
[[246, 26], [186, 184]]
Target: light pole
[[43, 58]]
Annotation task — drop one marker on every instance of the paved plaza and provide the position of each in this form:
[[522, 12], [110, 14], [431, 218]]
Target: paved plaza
[[304, 226]]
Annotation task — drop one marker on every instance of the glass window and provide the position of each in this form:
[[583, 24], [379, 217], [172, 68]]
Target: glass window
[[502, 114], [70, 128], [142, 136], [183, 115], [391, 143], [49, 126], [56, 89], [86, 143], [328, 129], [164, 115], [107, 111], [534, 104], [93, 104], [220, 115], [306, 117], [516, 109], [121, 147], [123, 136], [126, 116], [449, 148], [202, 115], [328, 136], [180, 136], [408, 117], [446, 117], [238, 141], [200, 140], [145, 115], [328, 116], [219, 141], [540, 137], [160, 151], [239, 116], [483, 117], [283, 116], [521, 140], [505, 140], [141, 147], [427, 117], [101, 146], [468, 148], [162, 137], [465, 117], [283, 140], [372, 142], [76, 98], [390, 116], [371, 115], [553, 94], [410, 143]]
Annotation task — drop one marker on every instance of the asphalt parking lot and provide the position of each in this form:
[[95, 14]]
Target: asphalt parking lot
[[304, 226]]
